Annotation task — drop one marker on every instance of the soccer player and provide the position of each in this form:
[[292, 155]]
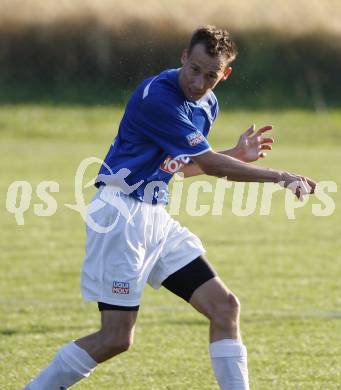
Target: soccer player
[[164, 129]]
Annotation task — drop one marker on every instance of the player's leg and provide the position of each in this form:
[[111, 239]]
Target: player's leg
[[228, 354], [115, 336], [114, 272], [216, 302], [76, 360], [198, 284]]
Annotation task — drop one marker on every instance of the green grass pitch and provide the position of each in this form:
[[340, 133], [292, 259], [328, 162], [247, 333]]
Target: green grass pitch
[[286, 272]]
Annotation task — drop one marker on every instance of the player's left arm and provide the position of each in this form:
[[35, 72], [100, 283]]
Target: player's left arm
[[250, 147]]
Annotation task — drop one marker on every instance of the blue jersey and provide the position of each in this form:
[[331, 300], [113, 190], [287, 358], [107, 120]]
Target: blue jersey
[[159, 132]]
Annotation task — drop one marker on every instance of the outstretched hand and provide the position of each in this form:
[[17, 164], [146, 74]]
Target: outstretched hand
[[297, 184], [251, 145]]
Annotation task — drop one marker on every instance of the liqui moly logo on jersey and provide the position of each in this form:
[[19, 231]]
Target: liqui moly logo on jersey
[[195, 138], [171, 165], [120, 287]]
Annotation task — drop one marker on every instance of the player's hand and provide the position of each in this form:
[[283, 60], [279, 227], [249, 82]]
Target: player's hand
[[299, 185], [252, 145]]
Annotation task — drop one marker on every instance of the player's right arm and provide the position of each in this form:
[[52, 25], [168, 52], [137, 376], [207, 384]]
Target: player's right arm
[[220, 165], [250, 147]]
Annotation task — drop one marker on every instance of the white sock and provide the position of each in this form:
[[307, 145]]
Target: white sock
[[70, 365], [229, 361]]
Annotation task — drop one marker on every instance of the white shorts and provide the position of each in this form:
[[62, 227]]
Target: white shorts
[[130, 243]]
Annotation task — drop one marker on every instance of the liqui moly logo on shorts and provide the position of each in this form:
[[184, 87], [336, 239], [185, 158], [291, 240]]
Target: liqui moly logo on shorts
[[120, 287], [171, 165]]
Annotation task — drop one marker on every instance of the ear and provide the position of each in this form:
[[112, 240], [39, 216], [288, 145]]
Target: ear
[[227, 72], [184, 57]]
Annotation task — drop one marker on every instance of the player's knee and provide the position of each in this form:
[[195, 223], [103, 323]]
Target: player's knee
[[233, 302], [114, 345], [227, 310]]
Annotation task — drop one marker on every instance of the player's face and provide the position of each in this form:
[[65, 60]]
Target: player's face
[[201, 73]]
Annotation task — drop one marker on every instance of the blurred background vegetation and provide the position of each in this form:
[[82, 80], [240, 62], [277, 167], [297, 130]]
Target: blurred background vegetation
[[66, 67], [96, 51]]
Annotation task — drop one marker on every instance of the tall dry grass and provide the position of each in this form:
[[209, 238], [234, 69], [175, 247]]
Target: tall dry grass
[[290, 46], [293, 17]]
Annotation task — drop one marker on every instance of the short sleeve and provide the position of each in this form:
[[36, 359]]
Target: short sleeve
[[168, 126]]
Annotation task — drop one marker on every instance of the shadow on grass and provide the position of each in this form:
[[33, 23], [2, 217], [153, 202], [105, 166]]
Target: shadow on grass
[[175, 322], [40, 330]]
